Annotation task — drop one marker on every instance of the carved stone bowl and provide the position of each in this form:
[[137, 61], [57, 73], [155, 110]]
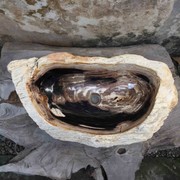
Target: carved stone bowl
[[96, 101]]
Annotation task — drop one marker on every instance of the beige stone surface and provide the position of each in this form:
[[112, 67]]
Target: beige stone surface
[[91, 23], [83, 18], [166, 98]]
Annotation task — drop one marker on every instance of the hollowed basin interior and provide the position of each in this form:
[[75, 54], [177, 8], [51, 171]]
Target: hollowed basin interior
[[99, 101]]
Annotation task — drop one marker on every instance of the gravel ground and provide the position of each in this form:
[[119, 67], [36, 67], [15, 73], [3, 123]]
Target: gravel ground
[[8, 147], [169, 153]]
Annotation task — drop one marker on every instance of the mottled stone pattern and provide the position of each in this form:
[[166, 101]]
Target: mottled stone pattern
[[91, 23]]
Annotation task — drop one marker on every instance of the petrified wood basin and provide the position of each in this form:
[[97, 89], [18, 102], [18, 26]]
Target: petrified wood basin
[[94, 100]]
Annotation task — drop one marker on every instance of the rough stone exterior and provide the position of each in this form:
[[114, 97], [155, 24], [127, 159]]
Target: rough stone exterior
[[91, 23]]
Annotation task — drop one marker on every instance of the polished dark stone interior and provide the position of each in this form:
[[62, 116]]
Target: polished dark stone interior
[[83, 113]]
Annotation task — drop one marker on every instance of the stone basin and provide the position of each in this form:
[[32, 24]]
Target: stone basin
[[96, 101]]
